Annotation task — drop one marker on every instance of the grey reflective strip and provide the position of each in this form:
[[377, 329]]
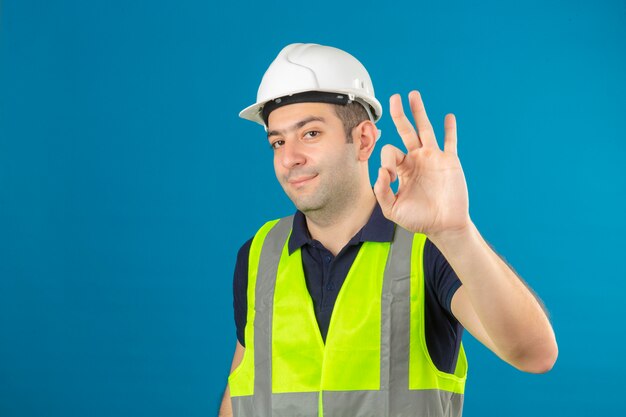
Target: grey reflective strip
[[418, 403], [243, 406], [355, 403], [271, 252], [398, 278], [300, 404]]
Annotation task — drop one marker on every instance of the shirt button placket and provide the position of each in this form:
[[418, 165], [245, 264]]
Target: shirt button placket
[[329, 285]]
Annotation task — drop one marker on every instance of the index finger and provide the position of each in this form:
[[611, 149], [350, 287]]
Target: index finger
[[403, 125]]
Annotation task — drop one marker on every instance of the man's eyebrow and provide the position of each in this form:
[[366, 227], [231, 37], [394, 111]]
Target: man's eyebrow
[[296, 125]]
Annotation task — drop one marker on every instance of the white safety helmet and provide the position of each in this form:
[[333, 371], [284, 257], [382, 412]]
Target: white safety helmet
[[304, 72]]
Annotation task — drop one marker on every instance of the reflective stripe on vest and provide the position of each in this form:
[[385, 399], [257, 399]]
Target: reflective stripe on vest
[[375, 361]]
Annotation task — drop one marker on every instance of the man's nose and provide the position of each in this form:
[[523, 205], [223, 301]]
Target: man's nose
[[292, 155]]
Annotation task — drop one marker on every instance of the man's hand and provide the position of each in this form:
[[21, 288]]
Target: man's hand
[[432, 199], [432, 193]]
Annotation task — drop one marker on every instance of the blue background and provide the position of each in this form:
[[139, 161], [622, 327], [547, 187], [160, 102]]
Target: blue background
[[127, 184]]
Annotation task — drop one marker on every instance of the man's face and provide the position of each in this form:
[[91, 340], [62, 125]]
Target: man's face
[[313, 162]]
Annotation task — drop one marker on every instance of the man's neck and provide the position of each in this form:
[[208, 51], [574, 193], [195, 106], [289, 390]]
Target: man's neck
[[335, 233]]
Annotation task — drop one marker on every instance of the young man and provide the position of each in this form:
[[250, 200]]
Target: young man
[[355, 305]]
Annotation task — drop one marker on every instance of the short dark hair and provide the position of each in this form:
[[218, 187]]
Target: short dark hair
[[351, 115]]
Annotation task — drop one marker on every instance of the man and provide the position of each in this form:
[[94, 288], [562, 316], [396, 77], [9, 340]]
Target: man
[[412, 268]]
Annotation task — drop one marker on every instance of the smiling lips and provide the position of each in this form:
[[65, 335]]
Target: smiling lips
[[299, 181]]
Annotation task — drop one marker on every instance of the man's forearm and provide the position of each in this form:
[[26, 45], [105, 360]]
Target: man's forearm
[[510, 314]]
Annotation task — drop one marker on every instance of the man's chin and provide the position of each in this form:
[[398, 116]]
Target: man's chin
[[306, 200], [305, 205]]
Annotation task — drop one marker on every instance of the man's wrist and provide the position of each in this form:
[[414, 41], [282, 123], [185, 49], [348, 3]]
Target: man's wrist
[[453, 239]]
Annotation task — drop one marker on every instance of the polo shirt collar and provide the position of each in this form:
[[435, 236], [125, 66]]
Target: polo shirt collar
[[377, 229]]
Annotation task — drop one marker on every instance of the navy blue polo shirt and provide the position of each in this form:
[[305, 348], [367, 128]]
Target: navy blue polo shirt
[[325, 274]]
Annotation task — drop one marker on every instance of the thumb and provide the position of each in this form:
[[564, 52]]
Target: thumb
[[383, 192]]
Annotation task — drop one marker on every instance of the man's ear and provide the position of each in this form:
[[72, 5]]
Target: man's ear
[[364, 134]]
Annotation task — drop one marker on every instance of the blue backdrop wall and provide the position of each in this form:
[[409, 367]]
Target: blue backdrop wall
[[127, 184]]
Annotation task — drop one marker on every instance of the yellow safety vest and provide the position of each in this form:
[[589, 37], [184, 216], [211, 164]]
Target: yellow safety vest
[[374, 363]]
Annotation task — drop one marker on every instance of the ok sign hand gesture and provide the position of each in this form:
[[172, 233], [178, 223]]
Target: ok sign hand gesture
[[432, 193]]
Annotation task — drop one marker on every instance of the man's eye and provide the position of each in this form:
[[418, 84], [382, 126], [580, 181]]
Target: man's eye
[[277, 144], [312, 133]]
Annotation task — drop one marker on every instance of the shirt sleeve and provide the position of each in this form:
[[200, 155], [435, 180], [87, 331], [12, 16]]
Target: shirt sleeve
[[444, 281], [443, 331], [240, 290]]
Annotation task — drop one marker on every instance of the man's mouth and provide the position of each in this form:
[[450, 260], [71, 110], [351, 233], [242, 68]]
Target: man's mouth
[[299, 181]]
